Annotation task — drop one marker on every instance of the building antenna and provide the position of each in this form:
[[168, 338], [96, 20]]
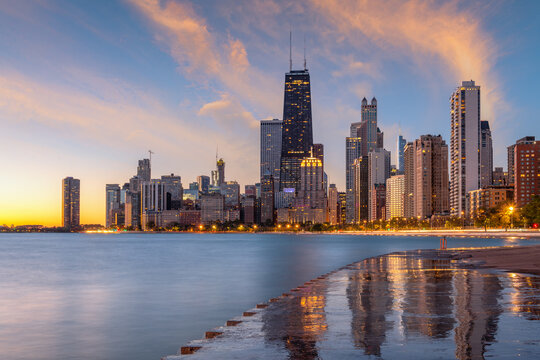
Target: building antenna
[[151, 152], [290, 50], [305, 64]]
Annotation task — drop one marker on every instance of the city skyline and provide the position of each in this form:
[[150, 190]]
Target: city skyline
[[94, 123]]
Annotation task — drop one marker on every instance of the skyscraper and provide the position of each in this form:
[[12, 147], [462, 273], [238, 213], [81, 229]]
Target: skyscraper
[[297, 133], [524, 140], [112, 203], [360, 190], [395, 193], [271, 148], [174, 192], [71, 194], [333, 205], [378, 172], [144, 170], [526, 172], [486, 155], [430, 176], [267, 198], [368, 131], [408, 163], [204, 183], [352, 153], [220, 168], [464, 145], [401, 142]]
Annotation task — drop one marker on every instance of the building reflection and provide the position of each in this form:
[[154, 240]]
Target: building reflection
[[298, 322], [428, 305], [477, 312], [369, 301], [525, 295]]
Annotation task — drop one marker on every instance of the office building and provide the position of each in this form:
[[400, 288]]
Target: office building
[[271, 148], [220, 172], [204, 183], [133, 210], [112, 203], [464, 145], [360, 190], [231, 192], [144, 170], [250, 190], [267, 198], [297, 132], [212, 208], [408, 163], [377, 198], [486, 155], [352, 152], [153, 196], [174, 192], [71, 196], [400, 162]]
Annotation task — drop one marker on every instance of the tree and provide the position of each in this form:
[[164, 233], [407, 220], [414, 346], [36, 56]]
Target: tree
[[531, 212]]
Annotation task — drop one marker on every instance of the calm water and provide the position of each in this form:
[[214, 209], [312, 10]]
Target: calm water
[[141, 296]]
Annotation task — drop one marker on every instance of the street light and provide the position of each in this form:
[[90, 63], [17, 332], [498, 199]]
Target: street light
[[511, 210]]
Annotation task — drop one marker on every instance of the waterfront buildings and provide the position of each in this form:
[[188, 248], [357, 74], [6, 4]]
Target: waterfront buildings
[[430, 177], [270, 133], [204, 183], [408, 164], [220, 172], [400, 162], [153, 196], [378, 172], [231, 192], [333, 205], [500, 177], [360, 190], [173, 191], [352, 153], [526, 172], [395, 195], [112, 203], [510, 149], [297, 133], [71, 195], [212, 208], [310, 203], [464, 144], [488, 197], [486, 155], [144, 170]]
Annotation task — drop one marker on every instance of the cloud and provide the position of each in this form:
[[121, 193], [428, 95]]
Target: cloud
[[229, 113], [428, 32], [215, 57]]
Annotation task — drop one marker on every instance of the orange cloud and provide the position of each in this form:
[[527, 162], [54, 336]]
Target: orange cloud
[[424, 31]]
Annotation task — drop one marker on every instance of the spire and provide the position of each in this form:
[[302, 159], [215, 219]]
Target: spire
[[305, 64], [290, 50]]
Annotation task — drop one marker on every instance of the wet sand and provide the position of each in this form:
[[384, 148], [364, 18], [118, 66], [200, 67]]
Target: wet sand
[[435, 304], [519, 259]]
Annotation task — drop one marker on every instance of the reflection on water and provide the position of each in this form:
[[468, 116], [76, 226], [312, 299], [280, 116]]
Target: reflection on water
[[407, 300]]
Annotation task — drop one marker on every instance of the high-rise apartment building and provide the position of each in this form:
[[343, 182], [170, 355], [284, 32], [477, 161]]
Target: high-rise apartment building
[[400, 162], [408, 163], [271, 133], [378, 172], [144, 170], [500, 177], [311, 192], [352, 152], [486, 155], [71, 195], [361, 189], [526, 172], [524, 140], [112, 203], [464, 145], [297, 132], [430, 190], [395, 195], [267, 198], [333, 205], [153, 196], [488, 197]]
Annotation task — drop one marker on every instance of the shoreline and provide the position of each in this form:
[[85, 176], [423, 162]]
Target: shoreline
[[246, 328]]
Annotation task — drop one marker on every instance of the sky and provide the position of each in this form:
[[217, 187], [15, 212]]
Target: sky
[[88, 87]]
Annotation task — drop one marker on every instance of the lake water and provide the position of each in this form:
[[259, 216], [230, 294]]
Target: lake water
[[142, 296]]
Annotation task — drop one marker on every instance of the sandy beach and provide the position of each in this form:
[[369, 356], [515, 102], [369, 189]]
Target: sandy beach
[[519, 259]]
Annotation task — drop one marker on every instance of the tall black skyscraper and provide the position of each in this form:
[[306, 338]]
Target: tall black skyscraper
[[297, 135]]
